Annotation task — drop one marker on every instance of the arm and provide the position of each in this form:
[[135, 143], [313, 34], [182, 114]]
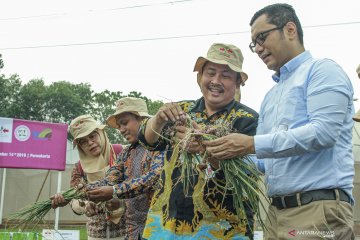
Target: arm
[[169, 112], [77, 177], [329, 96], [234, 144], [130, 187], [58, 200]]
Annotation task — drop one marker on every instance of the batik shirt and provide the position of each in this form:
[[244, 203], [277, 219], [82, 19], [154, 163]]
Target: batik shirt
[[204, 213], [97, 225], [134, 176]]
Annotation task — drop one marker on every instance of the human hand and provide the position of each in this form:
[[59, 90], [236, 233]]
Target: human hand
[[58, 200], [169, 112], [113, 204], [187, 138], [230, 146], [91, 209], [100, 194]]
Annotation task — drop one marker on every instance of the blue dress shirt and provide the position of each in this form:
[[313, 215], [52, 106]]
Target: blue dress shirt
[[304, 131]]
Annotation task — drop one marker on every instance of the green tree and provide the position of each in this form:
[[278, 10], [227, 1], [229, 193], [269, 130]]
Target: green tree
[[9, 91], [61, 102], [65, 101], [104, 106], [1, 62], [31, 101]]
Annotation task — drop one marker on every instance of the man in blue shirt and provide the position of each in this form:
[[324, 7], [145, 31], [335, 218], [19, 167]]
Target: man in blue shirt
[[304, 134]]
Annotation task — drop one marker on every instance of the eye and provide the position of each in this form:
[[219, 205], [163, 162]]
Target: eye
[[261, 37], [226, 75], [210, 72], [81, 141], [123, 123]]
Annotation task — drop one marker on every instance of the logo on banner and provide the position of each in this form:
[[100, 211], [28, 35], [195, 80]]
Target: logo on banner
[[6, 130], [22, 133], [45, 134]]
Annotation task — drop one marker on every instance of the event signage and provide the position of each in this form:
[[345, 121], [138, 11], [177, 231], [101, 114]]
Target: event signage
[[51, 234], [32, 144]]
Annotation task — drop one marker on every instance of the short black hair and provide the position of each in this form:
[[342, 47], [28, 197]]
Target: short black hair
[[279, 14]]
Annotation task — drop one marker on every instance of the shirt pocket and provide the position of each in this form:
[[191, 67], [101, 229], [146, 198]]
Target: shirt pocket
[[292, 109]]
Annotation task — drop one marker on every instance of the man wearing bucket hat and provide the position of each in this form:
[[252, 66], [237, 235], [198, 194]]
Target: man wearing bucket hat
[[96, 156], [133, 176], [203, 211], [304, 136]]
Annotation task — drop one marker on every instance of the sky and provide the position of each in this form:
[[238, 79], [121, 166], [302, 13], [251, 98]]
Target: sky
[[151, 46]]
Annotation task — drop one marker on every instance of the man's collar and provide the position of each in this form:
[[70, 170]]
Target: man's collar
[[293, 64], [200, 106]]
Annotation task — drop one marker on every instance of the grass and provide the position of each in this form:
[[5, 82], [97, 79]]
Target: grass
[[5, 233]]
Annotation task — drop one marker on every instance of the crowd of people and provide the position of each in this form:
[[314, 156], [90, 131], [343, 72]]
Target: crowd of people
[[301, 140]]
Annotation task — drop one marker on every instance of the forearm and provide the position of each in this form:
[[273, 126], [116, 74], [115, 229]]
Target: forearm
[[152, 130], [133, 187]]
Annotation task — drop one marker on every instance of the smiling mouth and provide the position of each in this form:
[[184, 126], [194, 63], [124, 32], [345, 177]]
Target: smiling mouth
[[263, 57], [215, 88]]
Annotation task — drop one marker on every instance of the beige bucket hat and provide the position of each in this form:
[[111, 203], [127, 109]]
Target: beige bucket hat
[[128, 104], [221, 53], [83, 126]]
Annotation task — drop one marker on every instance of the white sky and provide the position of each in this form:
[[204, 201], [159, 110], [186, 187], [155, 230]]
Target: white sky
[[160, 69]]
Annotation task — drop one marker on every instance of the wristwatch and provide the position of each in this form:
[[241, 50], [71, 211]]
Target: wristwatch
[[114, 195]]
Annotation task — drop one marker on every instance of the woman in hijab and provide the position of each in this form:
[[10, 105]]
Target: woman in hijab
[[97, 155]]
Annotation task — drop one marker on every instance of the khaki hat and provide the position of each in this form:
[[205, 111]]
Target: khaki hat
[[128, 104], [223, 54], [83, 126], [358, 71]]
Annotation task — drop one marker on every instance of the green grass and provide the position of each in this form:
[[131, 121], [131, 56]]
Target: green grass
[[5, 233]]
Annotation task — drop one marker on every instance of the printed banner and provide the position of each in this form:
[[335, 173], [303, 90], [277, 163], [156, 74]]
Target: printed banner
[[32, 144]]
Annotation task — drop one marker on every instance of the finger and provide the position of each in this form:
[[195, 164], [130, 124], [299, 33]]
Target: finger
[[171, 114], [195, 125], [214, 142], [162, 116], [181, 129]]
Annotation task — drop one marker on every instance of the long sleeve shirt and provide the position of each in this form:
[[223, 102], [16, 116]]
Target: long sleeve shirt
[[305, 128], [133, 177]]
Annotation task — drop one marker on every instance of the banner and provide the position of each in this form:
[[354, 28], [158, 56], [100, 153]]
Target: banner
[[32, 144]]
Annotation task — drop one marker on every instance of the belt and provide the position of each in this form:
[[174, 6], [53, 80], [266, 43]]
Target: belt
[[291, 201]]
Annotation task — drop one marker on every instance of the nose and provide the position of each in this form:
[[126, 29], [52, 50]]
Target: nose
[[122, 129], [89, 141], [216, 78], [258, 48]]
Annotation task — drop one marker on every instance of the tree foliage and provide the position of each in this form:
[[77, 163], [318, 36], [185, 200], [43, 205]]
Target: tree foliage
[[1, 62], [60, 102]]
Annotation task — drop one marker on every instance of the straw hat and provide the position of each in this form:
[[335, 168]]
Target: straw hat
[[128, 104]]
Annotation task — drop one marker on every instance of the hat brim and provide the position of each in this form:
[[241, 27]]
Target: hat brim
[[90, 130], [111, 120], [201, 61]]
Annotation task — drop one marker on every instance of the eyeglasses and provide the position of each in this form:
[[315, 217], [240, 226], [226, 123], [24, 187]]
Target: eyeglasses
[[84, 141], [261, 37]]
